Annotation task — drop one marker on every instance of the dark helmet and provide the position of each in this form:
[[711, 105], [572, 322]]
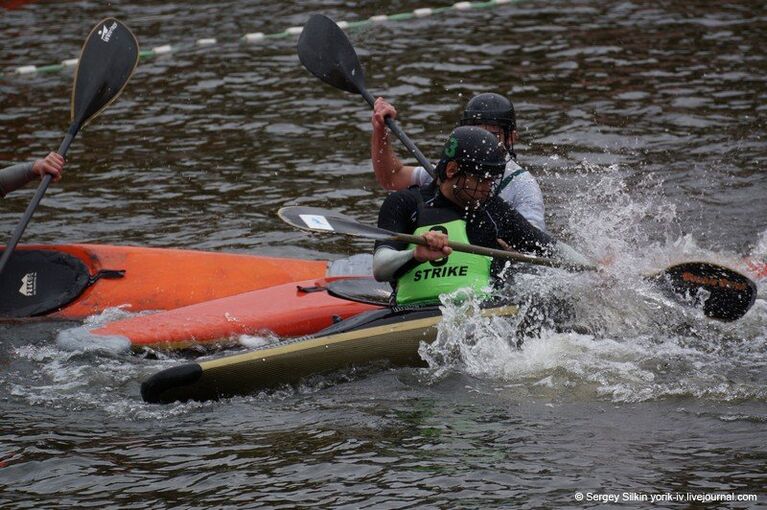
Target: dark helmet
[[490, 108], [477, 152]]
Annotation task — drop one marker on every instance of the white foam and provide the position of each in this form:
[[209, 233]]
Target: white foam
[[82, 340], [633, 343], [255, 341]]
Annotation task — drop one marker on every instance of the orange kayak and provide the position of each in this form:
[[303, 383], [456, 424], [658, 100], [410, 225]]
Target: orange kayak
[[287, 310], [77, 280]]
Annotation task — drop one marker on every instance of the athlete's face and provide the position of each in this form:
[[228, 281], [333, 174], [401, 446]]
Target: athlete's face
[[499, 133], [472, 191]]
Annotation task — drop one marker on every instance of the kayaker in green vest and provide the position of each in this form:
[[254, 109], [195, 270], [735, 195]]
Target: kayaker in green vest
[[16, 176], [461, 205]]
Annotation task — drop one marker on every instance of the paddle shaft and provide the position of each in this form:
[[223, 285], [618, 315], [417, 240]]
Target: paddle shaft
[[17, 233], [493, 252], [730, 293], [394, 127], [306, 218]]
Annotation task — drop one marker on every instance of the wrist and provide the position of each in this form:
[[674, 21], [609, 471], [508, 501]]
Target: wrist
[[418, 255]]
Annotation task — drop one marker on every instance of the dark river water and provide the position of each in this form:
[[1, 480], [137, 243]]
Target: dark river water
[[645, 125]]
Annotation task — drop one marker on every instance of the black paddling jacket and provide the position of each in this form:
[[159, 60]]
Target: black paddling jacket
[[497, 219]]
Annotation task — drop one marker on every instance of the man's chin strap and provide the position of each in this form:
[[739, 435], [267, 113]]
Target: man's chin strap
[[510, 147]]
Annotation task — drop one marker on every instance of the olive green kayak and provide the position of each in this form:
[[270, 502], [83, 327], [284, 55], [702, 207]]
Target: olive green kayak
[[388, 334]]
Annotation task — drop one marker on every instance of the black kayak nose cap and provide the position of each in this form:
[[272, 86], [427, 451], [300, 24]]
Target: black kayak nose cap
[[477, 152]]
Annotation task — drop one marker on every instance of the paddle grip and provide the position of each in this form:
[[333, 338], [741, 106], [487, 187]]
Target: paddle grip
[[17, 233], [394, 127], [502, 254]]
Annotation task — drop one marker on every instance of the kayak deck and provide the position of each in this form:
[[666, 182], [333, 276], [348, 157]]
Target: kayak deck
[[384, 334], [288, 310], [104, 276]]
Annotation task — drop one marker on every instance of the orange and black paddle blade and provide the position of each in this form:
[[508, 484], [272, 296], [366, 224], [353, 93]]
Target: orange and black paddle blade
[[722, 293]]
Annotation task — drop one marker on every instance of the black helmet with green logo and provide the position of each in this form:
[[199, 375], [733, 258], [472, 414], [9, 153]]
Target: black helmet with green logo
[[476, 151], [490, 108]]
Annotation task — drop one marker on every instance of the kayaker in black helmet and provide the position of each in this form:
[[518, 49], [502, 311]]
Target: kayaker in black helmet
[[490, 111], [461, 205], [16, 176]]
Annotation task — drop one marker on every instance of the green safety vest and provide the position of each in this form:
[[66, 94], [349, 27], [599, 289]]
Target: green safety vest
[[428, 280]]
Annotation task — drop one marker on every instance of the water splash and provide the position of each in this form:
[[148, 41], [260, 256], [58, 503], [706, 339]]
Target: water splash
[[80, 338], [610, 334], [257, 341]]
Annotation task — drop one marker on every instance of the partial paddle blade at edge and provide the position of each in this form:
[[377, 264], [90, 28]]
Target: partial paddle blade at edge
[[722, 293]]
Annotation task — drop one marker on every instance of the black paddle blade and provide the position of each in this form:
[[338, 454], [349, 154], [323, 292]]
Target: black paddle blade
[[325, 51], [722, 293], [107, 60], [315, 219]]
